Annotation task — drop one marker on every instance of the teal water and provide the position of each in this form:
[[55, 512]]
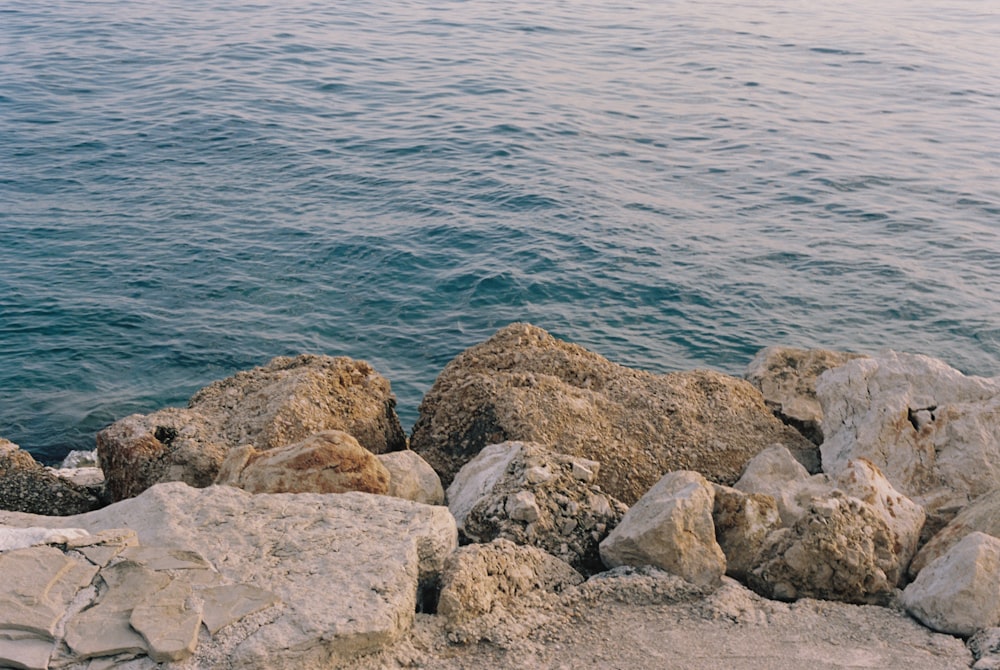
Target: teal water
[[189, 188]]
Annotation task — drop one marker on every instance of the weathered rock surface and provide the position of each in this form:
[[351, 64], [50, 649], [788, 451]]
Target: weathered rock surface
[[525, 493], [742, 523], [278, 404], [774, 472], [523, 384], [670, 528], [345, 567], [982, 515], [493, 581], [959, 592], [932, 431], [328, 462], [787, 376], [985, 648], [28, 486], [412, 478]]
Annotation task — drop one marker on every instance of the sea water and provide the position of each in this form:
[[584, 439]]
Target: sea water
[[189, 188]]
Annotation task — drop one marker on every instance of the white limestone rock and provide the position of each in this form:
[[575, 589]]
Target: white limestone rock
[[412, 478], [19, 538], [776, 473], [982, 515], [933, 432], [346, 567], [959, 592], [670, 528]]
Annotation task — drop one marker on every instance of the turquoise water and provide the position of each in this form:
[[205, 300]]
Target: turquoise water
[[189, 188]]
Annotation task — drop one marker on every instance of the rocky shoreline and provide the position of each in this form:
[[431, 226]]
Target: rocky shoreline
[[550, 509]]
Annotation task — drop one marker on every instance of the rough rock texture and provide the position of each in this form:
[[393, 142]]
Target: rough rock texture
[[412, 478], [959, 592], [527, 494], [742, 523], [932, 431], [275, 405], [985, 648], [670, 528], [489, 580], [523, 384], [774, 472], [787, 379], [982, 515], [328, 462], [28, 486], [346, 567], [840, 549]]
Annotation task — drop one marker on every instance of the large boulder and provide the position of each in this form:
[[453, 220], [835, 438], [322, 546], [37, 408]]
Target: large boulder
[[28, 486], [412, 478], [959, 592], [982, 515], [328, 462], [346, 568], [527, 494], [743, 522], [278, 404], [787, 379], [670, 528], [774, 472], [933, 432], [523, 384]]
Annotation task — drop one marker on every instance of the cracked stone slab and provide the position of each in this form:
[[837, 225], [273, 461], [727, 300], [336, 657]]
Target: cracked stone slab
[[21, 538], [37, 587], [100, 548], [165, 558], [21, 649], [227, 604], [169, 622]]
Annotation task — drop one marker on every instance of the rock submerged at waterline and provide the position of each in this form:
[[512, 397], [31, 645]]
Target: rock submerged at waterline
[[218, 577]]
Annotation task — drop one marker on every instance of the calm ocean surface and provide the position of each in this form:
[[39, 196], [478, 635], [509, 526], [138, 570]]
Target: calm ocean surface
[[189, 188]]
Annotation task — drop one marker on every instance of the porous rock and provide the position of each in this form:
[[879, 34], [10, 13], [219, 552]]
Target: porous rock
[[959, 592], [985, 648], [480, 579], [328, 462], [933, 432], [787, 376], [275, 405], [412, 478], [742, 523], [28, 486], [523, 384], [530, 495], [982, 515], [774, 472], [670, 528], [840, 549], [283, 544]]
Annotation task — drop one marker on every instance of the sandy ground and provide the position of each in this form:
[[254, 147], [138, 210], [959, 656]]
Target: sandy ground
[[647, 621]]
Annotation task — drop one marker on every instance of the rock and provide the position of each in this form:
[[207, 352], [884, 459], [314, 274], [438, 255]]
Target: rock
[[168, 621], [774, 472], [985, 648], [28, 486], [503, 493], [276, 405], [840, 549], [524, 385], [483, 579], [670, 528], [787, 378], [328, 462], [982, 515], [77, 459], [347, 568], [742, 523], [932, 431], [226, 604], [38, 585], [412, 478], [20, 538], [959, 592]]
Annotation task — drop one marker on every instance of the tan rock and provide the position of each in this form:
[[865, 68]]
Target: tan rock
[[524, 385], [21, 649], [959, 592], [982, 515], [774, 472], [483, 579], [278, 404], [530, 495], [787, 379], [742, 523], [328, 462], [168, 621], [933, 432], [412, 478], [228, 603], [38, 585], [28, 486], [670, 528]]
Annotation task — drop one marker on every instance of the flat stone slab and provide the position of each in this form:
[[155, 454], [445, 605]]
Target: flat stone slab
[[20, 649], [37, 587], [168, 622], [223, 605], [346, 567]]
